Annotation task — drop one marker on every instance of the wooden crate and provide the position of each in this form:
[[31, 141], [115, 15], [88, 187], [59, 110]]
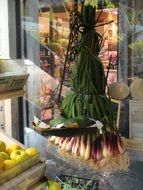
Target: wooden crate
[[26, 179], [16, 170]]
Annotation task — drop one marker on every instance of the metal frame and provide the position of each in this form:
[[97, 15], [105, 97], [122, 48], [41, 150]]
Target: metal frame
[[20, 127]]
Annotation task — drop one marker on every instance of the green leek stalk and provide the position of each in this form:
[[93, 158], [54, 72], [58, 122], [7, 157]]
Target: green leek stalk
[[87, 97]]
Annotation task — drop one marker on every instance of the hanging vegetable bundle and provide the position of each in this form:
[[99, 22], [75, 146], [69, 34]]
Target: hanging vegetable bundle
[[103, 152], [91, 147], [87, 102], [88, 82]]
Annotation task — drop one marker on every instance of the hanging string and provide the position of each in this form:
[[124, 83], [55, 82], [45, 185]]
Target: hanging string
[[73, 40], [74, 26]]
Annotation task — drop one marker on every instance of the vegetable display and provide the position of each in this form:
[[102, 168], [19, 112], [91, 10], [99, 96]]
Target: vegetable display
[[88, 82], [69, 183], [88, 100], [91, 147]]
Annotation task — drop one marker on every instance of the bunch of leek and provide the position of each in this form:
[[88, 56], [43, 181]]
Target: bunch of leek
[[87, 99], [88, 82], [91, 147]]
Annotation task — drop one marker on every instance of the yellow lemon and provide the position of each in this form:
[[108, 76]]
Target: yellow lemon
[[2, 146], [7, 164], [1, 164], [53, 185], [4, 155], [13, 147], [32, 151]]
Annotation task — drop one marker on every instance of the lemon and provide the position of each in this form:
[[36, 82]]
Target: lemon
[[4, 155], [32, 151], [2, 146], [13, 147], [1, 164], [7, 164], [53, 185]]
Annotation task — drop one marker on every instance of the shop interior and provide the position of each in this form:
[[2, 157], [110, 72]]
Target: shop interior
[[66, 124]]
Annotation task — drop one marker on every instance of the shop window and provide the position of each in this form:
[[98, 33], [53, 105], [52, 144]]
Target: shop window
[[46, 34], [108, 28]]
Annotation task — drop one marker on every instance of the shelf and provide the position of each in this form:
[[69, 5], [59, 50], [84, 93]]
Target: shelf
[[13, 177], [11, 94], [12, 78], [26, 179]]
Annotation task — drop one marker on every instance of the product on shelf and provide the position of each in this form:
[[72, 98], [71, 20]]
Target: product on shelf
[[103, 147], [47, 184], [67, 182], [26, 179], [15, 158], [2, 146]]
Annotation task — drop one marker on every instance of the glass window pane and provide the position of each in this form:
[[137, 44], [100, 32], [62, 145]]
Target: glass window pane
[[46, 34]]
